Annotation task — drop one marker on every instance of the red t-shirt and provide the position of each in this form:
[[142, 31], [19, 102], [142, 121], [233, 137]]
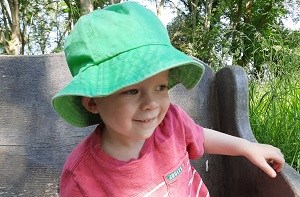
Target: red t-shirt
[[163, 168]]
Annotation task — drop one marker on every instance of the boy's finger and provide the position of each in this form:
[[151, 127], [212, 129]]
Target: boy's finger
[[267, 168], [277, 161]]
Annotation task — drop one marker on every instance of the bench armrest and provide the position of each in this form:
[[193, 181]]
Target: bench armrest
[[242, 176]]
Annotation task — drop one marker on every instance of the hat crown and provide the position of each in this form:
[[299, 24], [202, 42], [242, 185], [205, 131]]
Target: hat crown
[[104, 34]]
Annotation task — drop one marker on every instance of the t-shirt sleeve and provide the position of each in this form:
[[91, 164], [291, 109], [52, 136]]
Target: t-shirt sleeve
[[68, 186], [194, 136]]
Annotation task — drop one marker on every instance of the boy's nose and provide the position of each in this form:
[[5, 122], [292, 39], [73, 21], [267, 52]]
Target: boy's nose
[[149, 102]]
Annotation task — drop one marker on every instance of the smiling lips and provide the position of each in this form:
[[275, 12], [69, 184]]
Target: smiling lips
[[146, 120]]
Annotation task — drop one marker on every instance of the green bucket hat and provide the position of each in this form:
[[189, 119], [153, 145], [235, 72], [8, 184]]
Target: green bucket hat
[[118, 46]]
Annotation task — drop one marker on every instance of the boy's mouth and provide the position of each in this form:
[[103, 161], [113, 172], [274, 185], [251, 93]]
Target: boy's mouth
[[146, 120]]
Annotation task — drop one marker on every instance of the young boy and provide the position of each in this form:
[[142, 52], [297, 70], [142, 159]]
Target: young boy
[[123, 65]]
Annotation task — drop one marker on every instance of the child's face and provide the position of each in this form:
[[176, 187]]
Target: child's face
[[134, 112]]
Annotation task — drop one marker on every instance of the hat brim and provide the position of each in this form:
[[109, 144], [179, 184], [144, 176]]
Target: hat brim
[[125, 69]]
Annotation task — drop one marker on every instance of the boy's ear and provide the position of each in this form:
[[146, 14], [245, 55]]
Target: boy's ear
[[89, 104]]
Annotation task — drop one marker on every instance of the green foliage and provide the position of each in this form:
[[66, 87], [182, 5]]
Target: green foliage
[[275, 115], [275, 95], [278, 53], [43, 24], [40, 22], [195, 41], [232, 34]]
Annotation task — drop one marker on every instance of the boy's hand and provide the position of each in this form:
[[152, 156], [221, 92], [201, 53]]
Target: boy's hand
[[266, 157]]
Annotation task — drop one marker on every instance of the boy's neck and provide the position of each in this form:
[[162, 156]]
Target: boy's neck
[[121, 149]]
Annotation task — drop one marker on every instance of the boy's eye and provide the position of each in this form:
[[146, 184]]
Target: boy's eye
[[162, 88], [131, 92]]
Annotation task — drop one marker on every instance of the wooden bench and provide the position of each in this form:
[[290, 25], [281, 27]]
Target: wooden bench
[[34, 141]]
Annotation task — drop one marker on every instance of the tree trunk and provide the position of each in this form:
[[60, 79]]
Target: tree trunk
[[249, 36], [236, 23], [159, 7], [14, 44], [208, 10], [194, 10], [248, 11], [86, 6]]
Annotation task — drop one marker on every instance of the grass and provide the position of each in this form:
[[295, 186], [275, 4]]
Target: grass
[[275, 114]]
